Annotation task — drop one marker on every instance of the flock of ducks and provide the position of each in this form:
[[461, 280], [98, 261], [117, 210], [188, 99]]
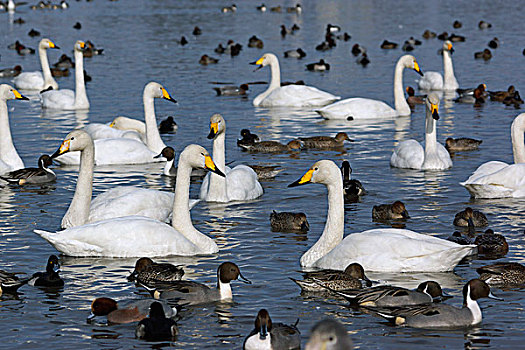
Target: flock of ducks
[[138, 219]]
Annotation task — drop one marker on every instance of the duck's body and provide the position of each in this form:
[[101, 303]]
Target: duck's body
[[394, 211], [231, 90], [365, 108], [288, 222], [127, 311], [329, 334], [501, 95], [492, 244], [272, 336], [10, 72], [9, 158], [290, 95], [265, 172], [149, 273], [40, 175], [503, 274], [461, 144], [388, 250], [9, 282], [321, 280], [273, 147], [325, 142], [463, 217], [412, 99], [298, 53], [157, 326], [50, 278], [496, 179], [38, 80], [434, 80]]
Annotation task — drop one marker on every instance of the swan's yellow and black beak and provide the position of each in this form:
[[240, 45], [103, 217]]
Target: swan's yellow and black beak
[[112, 125], [166, 96], [214, 130], [19, 96], [306, 178], [52, 45], [64, 147], [210, 165], [434, 109], [450, 48], [417, 69], [258, 63]]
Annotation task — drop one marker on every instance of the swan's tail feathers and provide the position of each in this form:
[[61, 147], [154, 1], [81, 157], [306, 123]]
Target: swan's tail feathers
[[70, 247]]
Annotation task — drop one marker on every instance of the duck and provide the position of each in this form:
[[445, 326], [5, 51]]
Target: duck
[[254, 41], [413, 41], [183, 41], [239, 184], [484, 25], [32, 33], [68, 99], [502, 274], [388, 45], [297, 53], [206, 60], [436, 81], [231, 90], [319, 281], [261, 7], [10, 72], [50, 278], [63, 62], [326, 45], [442, 316], [501, 95], [494, 43], [443, 36], [428, 34], [193, 293], [461, 144], [412, 99], [515, 99], [329, 334], [468, 216], [77, 26], [266, 172], [232, 8], [485, 55], [458, 238], [497, 179], [124, 147], [40, 175], [365, 108], [407, 47], [456, 38], [277, 9], [363, 60], [272, 336], [394, 211], [196, 31], [352, 188], [333, 28], [147, 272], [127, 311], [9, 158], [492, 244], [290, 95], [288, 222], [457, 24], [157, 326], [475, 98], [325, 142], [295, 9], [273, 147], [167, 125], [134, 236], [170, 170], [56, 72], [247, 138], [387, 250], [409, 154], [320, 66], [10, 282], [38, 80], [345, 36]]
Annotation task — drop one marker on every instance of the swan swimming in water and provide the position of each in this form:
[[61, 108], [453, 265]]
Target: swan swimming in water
[[434, 80], [38, 80]]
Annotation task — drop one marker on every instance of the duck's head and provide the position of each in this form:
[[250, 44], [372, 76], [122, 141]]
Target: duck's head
[[228, 272], [141, 265], [76, 140], [476, 289], [53, 266], [156, 310], [263, 323], [8, 92], [265, 60], [102, 307], [47, 44], [199, 158], [167, 152], [411, 63], [355, 270], [80, 46], [323, 172], [433, 289], [447, 46], [44, 161], [217, 126], [398, 207], [301, 221], [329, 334], [156, 90], [432, 103], [342, 136], [410, 91]]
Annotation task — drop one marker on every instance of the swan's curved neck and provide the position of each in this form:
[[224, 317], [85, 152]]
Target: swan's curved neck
[[399, 93], [217, 191], [46, 71], [430, 135], [153, 139], [78, 212], [449, 80], [81, 100], [335, 222], [518, 147], [8, 153], [275, 81]]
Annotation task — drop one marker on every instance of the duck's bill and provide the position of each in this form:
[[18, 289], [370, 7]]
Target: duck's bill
[[210, 165], [442, 297], [244, 279], [158, 156], [405, 215], [91, 317], [132, 276], [264, 332], [492, 296], [56, 268], [306, 178], [64, 147]]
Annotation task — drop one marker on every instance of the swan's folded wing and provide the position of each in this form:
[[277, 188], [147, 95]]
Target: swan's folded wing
[[431, 81], [29, 81], [58, 99], [242, 183], [408, 154], [298, 96], [357, 108]]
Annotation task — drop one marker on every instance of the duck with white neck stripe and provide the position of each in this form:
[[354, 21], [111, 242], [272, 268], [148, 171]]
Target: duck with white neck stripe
[[272, 336]]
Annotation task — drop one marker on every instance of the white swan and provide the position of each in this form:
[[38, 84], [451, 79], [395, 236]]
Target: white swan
[[496, 179], [290, 95], [118, 201], [120, 127], [410, 154], [434, 80], [365, 108], [241, 183], [386, 250], [66, 99], [121, 150], [134, 236], [9, 158], [35, 80]]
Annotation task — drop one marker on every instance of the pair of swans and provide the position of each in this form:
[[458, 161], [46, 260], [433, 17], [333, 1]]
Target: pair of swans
[[385, 250], [497, 179], [66, 99], [411, 155], [9, 158], [134, 236], [290, 95], [37, 80], [365, 108], [123, 149], [241, 183], [434, 80]]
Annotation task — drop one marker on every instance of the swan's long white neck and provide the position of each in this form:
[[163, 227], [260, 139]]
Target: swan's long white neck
[[8, 153], [217, 191], [449, 80], [516, 131], [430, 135], [275, 81], [78, 212], [153, 139], [46, 71], [81, 100], [334, 228], [399, 93]]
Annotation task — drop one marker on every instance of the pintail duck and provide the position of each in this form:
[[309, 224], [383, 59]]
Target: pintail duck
[[461, 144], [167, 125], [131, 311], [193, 293], [492, 244], [231, 90], [9, 282], [501, 95], [289, 222], [412, 99], [443, 316], [206, 60], [247, 138], [170, 170], [470, 217], [50, 278], [273, 147], [319, 281], [503, 274], [10, 72], [320, 66], [147, 272], [325, 142], [298, 53], [157, 326], [388, 45], [39, 175], [394, 211], [329, 334], [272, 336], [352, 188]]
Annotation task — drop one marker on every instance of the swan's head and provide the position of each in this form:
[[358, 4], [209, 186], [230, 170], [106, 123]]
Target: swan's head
[[447, 46], [265, 60], [410, 62], [80, 46], [432, 103], [156, 90], [76, 140], [217, 126], [47, 44], [198, 158], [323, 172], [7, 92]]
